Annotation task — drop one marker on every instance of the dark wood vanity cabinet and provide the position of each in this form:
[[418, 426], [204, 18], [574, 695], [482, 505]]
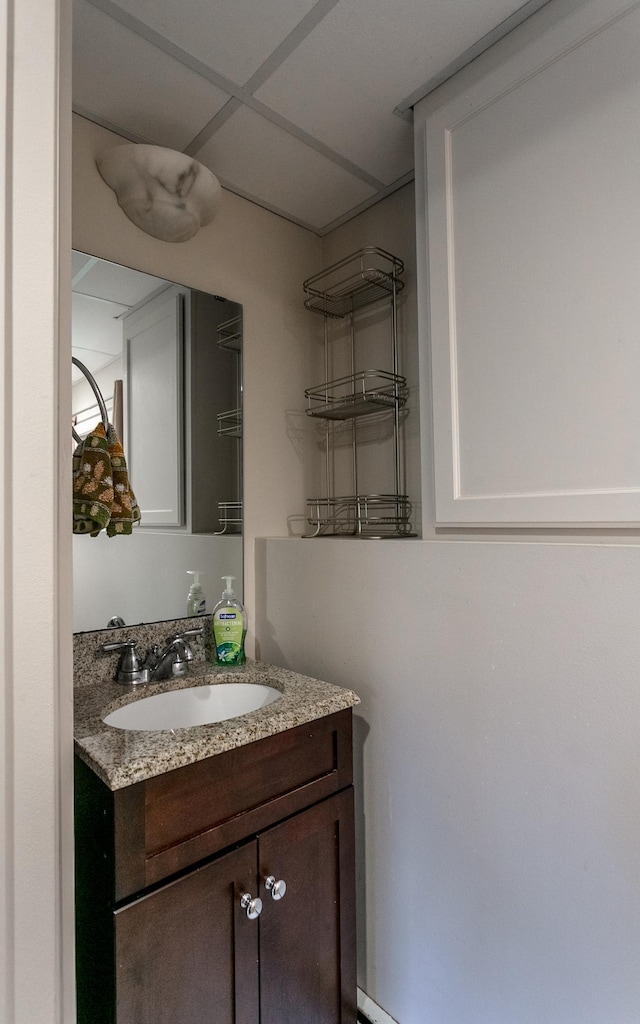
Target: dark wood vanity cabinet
[[162, 869], [185, 949]]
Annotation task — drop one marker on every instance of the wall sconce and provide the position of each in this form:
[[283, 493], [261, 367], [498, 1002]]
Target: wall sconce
[[165, 193]]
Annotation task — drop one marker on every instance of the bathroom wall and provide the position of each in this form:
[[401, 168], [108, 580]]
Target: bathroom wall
[[496, 749], [252, 257], [498, 760]]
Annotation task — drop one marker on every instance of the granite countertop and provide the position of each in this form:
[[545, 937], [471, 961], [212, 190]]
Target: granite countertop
[[121, 757]]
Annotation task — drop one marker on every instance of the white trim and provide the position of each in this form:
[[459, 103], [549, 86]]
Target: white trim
[[374, 1013], [36, 796]]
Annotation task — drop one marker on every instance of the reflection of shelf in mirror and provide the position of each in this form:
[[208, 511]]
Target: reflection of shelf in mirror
[[358, 394], [230, 334], [373, 516], [356, 281], [229, 517], [230, 423]]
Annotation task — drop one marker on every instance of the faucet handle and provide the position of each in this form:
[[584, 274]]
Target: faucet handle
[[129, 668], [118, 645], [181, 650], [180, 644]]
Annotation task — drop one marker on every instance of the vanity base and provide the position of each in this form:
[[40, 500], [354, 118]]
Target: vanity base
[[162, 868]]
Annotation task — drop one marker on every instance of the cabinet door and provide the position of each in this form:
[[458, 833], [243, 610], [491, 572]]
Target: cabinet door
[[307, 939], [529, 240], [154, 361], [187, 953]]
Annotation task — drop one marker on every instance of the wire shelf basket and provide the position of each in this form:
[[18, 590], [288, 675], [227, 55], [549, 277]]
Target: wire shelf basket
[[230, 423], [229, 517], [375, 516], [358, 394], [230, 334], [355, 281]]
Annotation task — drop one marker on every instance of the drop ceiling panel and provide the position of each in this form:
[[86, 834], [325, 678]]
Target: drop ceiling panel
[[112, 282], [344, 80], [79, 260], [121, 77], [233, 36], [96, 326], [344, 110], [265, 162]]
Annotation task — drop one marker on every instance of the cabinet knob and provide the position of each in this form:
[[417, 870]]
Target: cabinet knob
[[276, 888], [252, 905]]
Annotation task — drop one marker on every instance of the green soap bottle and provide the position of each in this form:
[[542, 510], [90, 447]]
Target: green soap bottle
[[229, 627]]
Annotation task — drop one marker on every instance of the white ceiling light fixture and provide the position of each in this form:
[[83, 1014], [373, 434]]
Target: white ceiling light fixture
[[167, 194]]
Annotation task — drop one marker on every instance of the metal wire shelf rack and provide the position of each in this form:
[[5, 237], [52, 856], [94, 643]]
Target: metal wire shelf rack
[[357, 394], [376, 516], [229, 517], [230, 334], [355, 281], [341, 291], [230, 423]]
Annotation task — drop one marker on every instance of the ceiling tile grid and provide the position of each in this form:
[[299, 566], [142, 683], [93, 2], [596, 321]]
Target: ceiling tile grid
[[291, 103], [233, 36], [126, 80], [344, 81], [259, 158]]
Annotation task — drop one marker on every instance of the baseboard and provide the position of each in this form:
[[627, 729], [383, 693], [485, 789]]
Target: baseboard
[[370, 1013]]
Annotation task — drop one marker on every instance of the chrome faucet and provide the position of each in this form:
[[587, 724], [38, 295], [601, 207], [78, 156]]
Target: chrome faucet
[[171, 663]]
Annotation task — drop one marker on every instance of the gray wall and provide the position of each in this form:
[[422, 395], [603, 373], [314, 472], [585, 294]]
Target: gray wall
[[498, 762]]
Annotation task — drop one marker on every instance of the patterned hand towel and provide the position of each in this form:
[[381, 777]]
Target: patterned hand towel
[[92, 484], [125, 511]]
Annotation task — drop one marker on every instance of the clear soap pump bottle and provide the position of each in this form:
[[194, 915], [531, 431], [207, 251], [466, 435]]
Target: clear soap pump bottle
[[229, 627], [196, 601]]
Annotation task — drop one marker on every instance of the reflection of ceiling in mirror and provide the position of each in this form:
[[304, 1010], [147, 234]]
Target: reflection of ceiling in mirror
[[101, 294]]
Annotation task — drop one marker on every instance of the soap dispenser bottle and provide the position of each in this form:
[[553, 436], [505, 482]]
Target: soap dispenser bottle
[[229, 627], [196, 601]]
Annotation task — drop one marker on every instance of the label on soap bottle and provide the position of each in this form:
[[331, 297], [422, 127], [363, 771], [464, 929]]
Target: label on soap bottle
[[228, 634]]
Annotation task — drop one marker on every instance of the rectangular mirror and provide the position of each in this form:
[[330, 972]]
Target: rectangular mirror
[[178, 353]]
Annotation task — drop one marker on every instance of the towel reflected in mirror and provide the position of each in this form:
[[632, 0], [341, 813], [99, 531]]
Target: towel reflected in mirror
[[103, 498]]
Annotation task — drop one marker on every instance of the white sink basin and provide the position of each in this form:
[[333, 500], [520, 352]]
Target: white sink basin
[[194, 705]]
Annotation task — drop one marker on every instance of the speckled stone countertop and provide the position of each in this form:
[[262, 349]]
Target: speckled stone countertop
[[122, 757]]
